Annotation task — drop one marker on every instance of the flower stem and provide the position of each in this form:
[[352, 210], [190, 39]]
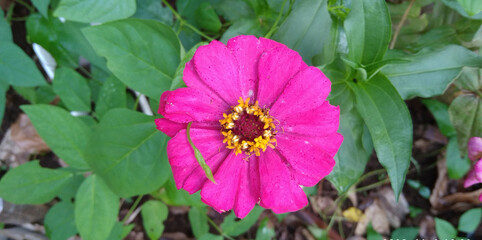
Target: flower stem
[[134, 206], [373, 185], [275, 24], [400, 24], [215, 226], [30, 8], [184, 22]]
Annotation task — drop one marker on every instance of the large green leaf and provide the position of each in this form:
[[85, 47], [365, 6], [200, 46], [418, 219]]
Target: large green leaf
[[430, 72], [96, 209], [234, 228], [3, 91], [465, 113], [440, 112], [59, 221], [144, 54], [307, 28], [112, 95], [66, 135], [368, 31], [199, 221], [390, 126], [5, 29], [95, 11], [354, 152], [72, 89], [17, 68], [29, 183], [42, 6], [153, 9], [154, 213], [129, 152]]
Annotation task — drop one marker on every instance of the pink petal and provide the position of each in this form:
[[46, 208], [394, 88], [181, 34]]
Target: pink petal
[[248, 188], [181, 156], [310, 158], [168, 127], [278, 191], [221, 196], [196, 179], [188, 104], [275, 68], [475, 175], [171, 128], [247, 50], [307, 90], [480, 197], [320, 121], [218, 69], [475, 148]]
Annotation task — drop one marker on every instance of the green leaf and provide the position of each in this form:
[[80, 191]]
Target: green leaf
[[245, 26], [465, 112], [178, 197], [390, 126], [29, 183], [407, 233], [3, 90], [199, 221], [460, 8], [352, 156], [116, 232], [153, 9], [470, 220], [37, 95], [177, 82], [72, 89], [59, 221], [444, 229], [112, 95], [96, 209], [372, 234], [233, 227], [306, 29], [154, 213], [88, 11], [470, 79], [440, 112], [144, 54], [210, 236], [457, 165], [199, 157], [472, 7], [66, 135], [265, 231], [5, 29], [368, 30], [42, 6], [129, 153], [17, 68], [71, 187], [430, 72], [207, 18]]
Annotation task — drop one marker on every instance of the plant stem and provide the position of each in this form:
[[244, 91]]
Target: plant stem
[[30, 8], [373, 185], [184, 22], [8, 17], [275, 24], [134, 206], [400, 24], [215, 226]]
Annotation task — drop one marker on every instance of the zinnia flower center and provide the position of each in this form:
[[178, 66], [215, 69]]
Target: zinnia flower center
[[248, 128]]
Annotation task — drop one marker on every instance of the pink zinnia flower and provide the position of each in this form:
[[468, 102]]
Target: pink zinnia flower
[[475, 154], [260, 119]]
